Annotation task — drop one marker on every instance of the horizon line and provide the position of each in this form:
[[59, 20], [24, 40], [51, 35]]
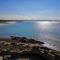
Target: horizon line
[[4, 21]]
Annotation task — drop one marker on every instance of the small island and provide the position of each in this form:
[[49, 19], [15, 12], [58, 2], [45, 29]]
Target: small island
[[25, 49]]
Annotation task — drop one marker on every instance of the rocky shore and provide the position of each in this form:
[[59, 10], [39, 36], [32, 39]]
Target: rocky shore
[[23, 45]]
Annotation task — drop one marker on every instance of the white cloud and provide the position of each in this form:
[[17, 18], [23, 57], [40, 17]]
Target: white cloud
[[19, 17], [38, 15]]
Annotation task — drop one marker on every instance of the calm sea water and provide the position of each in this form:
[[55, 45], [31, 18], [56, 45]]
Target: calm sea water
[[48, 32]]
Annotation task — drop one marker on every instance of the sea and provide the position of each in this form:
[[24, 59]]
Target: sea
[[45, 31]]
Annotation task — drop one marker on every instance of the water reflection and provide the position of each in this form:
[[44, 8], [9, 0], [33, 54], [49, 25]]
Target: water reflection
[[44, 24], [44, 29], [49, 33]]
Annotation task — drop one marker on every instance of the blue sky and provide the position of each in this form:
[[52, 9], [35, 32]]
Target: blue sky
[[30, 9]]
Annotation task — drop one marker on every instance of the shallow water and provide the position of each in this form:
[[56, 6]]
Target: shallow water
[[46, 31]]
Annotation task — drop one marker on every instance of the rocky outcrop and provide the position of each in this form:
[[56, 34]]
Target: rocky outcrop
[[23, 45]]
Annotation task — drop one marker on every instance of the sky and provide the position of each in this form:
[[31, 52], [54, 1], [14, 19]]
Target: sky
[[30, 9]]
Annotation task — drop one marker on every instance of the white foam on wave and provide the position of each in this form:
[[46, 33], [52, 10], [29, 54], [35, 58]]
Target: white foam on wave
[[6, 23], [51, 46]]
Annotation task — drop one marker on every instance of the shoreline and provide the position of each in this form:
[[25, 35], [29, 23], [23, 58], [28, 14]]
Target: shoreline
[[23, 45], [45, 44], [51, 46]]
